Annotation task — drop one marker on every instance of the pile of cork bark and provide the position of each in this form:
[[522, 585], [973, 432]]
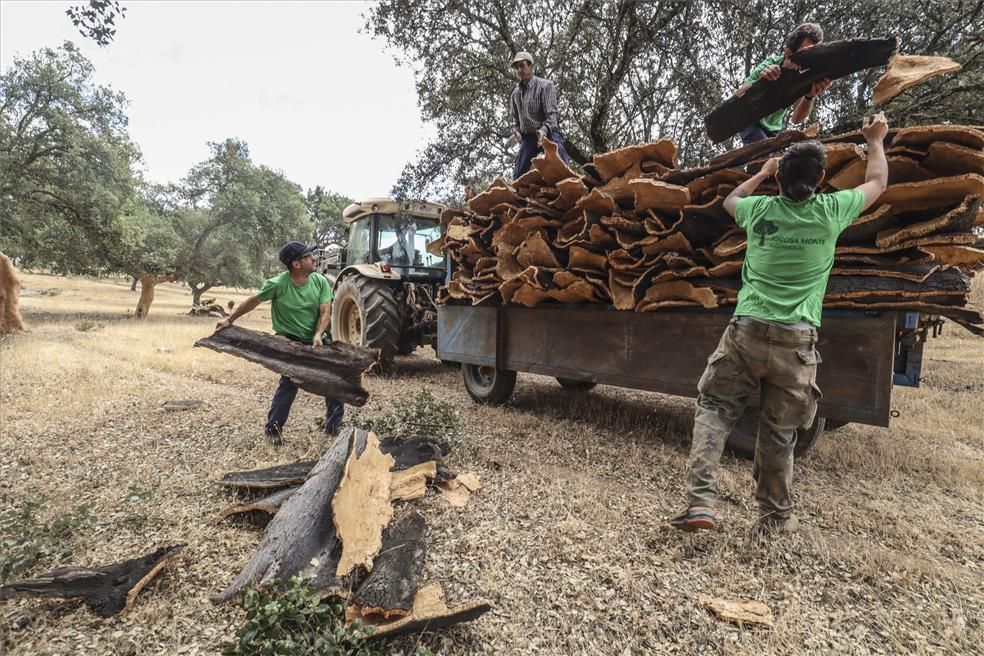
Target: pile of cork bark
[[636, 233]]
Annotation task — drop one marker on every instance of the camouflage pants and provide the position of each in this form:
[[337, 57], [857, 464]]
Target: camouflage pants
[[781, 363]]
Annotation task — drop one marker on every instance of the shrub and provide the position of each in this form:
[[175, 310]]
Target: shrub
[[85, 325], [420, 415], [25, 542], [293, 619]]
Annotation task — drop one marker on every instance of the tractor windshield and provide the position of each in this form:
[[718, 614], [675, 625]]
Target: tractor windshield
[[403, 241]]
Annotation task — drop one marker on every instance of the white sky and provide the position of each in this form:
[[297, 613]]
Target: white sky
[[309, 93]]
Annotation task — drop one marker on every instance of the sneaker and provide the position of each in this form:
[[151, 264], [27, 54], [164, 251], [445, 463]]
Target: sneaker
[[771, 523], [695, 519]]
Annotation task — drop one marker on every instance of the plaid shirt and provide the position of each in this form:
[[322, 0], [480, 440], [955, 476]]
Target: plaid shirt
[[535, 106]]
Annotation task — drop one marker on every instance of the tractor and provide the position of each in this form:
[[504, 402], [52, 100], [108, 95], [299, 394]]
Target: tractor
[[385, 281]]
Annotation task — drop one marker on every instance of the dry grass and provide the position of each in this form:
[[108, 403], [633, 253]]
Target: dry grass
[[568, 537]]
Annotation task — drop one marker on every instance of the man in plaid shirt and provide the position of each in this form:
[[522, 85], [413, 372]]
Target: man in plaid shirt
[[534, 109]]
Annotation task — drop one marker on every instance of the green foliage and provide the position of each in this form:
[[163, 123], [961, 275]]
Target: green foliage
[[629, 72], [66, 164], [86, 325], [420, 415], [96, 18], [293, 620], [139, 491], [25, 541], [325, 209]]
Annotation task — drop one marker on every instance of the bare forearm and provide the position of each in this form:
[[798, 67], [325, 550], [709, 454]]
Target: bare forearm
[[803, 108], [745, 189], [324, 320], [246, 306], [877, 169]]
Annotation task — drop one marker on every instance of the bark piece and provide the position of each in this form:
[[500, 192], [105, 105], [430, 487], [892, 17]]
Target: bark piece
[[581, 259], [613, 164], [960, 218], [833, 59], [658, 196], [598, 201], [947, 159], [725, 176], [972, 320], [922, 136], [738, 612], [941, 283], [302, 537], [551, 166], [535, 251], [678, 290], [905, 71], [333, 370], [497, 192], [967, 258], [920, 242], [905, 169], [389, 589], [866, 226], [412, 483], [430, 612], [458, 490], [913, 272], [277, 476], [268, 505], [849, 176], [571, 190], [107, 590]]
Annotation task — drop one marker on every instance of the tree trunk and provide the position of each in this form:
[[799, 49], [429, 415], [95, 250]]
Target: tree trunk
[[133, 284], [147, 284], [196, 293], [10, 317]]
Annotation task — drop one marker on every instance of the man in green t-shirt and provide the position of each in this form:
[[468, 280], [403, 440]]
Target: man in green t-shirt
[[301, 311], [770, 68], [770, 343]]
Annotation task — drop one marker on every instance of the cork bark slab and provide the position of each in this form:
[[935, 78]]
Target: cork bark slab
[[107, 590], [430, 612], [922, 136], [659, 196], [947, 159], [290, 474], [498, 192], [615, 163], [905, 71], [960, 218], [939, 192], [551, 166], [753, 613]]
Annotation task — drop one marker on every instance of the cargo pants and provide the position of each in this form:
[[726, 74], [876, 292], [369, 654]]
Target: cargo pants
[[781, 363]]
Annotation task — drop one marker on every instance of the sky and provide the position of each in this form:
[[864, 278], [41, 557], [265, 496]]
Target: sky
[[311, 94]]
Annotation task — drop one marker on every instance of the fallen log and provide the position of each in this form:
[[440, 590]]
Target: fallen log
[[391, 586], [430, 613], [291, 474], [107, 590], [334, 370], [833, 60]]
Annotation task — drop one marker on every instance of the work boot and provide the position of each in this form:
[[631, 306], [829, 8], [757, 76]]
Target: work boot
[[274, 437], [771, 523], [695, 519]]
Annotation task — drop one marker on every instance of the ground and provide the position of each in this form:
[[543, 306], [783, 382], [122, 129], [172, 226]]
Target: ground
[[568, 538]]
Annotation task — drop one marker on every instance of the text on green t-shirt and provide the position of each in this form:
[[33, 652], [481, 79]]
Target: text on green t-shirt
[[295, 308], [790, 252]]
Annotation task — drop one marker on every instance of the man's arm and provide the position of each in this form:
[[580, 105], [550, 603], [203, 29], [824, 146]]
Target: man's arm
[[246, 306], [550, 121], [749, 186], [804, 105], [324, 320], [876, 173]]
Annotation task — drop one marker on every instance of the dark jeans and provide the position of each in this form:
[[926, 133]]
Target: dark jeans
[[283, 399], [528, 149], [755, 132]]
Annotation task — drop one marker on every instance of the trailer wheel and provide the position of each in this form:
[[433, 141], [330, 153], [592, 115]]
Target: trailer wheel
[[741, 442], [488, 384], [572, 385]]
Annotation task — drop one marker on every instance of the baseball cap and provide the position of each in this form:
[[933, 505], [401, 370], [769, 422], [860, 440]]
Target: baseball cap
[[522, 55], [293, 250]]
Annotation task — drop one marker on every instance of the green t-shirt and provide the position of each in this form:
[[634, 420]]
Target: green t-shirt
[[790, 252], [772, 122], [295, 308]]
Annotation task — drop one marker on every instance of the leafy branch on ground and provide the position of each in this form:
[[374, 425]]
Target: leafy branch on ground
[[25, 541], [293, 619], [85, 325], [139, 491], [419, 416]]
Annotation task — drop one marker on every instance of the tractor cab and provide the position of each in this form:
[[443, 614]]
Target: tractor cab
[[386, 280], [389, 239]]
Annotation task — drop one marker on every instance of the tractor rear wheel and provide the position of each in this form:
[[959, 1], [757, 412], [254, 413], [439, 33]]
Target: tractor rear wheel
[[364, 312], [742, 440]]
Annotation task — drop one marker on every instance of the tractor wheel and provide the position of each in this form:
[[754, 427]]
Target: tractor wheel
[[364, 313], [572, 385], [487, 384], [741, 442]]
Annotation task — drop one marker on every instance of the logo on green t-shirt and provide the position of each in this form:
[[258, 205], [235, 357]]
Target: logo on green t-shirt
[[763, 228]]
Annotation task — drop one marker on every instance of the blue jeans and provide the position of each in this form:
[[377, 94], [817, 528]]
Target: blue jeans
[[755, 132], [283, 399], [528, 149]]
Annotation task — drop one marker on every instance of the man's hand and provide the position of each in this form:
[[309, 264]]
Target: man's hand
[[874, 128], [772, 72], [818, 87], [513, 140], [316, 342], [770, 167], [222, 325], [540, 136]]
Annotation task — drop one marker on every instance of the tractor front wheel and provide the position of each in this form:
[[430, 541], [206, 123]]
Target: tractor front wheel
[[364, 312]]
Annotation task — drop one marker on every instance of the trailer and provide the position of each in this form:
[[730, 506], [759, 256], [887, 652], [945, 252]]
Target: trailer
[[864, 354]]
